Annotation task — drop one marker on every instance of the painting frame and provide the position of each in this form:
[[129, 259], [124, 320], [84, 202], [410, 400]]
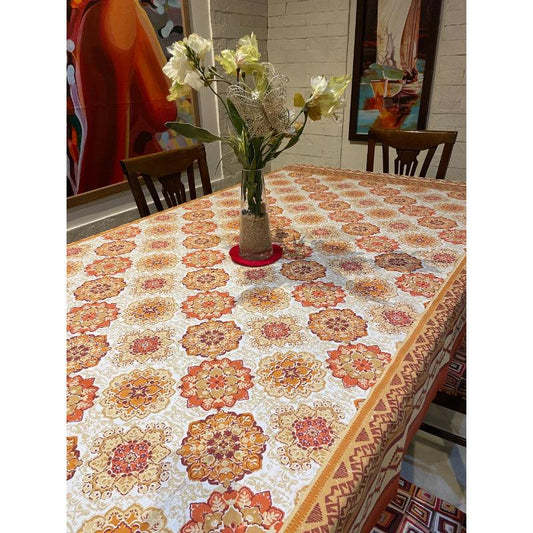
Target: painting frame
[[108, 190], [429, 24]]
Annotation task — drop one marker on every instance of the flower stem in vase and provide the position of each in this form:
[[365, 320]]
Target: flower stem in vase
[[255, 242]]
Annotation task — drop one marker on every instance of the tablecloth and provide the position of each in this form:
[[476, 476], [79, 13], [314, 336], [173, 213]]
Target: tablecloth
[[204, 396]]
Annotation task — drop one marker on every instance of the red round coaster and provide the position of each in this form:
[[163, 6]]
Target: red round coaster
[[277, 251]]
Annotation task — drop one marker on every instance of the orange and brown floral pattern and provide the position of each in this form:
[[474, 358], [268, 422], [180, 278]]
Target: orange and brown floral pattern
[[334, 205], [314, 187], [134, 519], [360, 228], [293, 198], [296, 251], [420, 240], [202, 203], [437, 222], [385, 191], [307, 433], [355, 194], [159, 245], [73, 268], [291, 374], [138, 394], [417, 210], [163, 217], [160, 230], [156, 262], [156, 283], [143, 346], [358, 365], [197, 216], [451, 207], [77, 250], [419, 284], [302, 270], [201, 242], [216, 384], [339, 325], [284, 234], [122, 233], [90, 317], [264, 299], [255, 276], [205, 279], [85, 351], [398, 262], [239, 511], [114, 248], [345, 216], [310, 219], [108, 266], [100, 289], [366, 289], [81, 394], [379, 244], [150, 311], [203, 258], [367, 203], [323, 232], [458, 195], [127, 460], [73, 456], [399, 225], [394, 319], [324, 196], [381, 213], [351, 267], [211, 338], [199, 228], [442, 257], [335, 247], [223, 448], [318, 294], [399, 200], [206, 305], [455, 236], [275, 331]]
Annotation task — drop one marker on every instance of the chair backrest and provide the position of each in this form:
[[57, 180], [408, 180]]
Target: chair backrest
[[408, 145], [166, 167]]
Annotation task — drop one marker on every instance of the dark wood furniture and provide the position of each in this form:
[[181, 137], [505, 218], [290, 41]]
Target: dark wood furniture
[[166, 168], [452, 395], [408, 145]]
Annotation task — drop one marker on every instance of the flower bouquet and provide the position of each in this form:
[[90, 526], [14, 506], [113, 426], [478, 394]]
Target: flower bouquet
[[262, 125]]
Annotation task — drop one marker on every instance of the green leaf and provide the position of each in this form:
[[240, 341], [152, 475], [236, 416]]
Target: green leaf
[[192, 132], [236, 120]]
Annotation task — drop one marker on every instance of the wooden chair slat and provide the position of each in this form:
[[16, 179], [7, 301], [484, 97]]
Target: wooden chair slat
[[408, 144], [166, 168]]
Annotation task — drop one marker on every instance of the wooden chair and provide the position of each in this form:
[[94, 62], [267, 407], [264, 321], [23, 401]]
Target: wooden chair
[[166, 167], [408, 145]]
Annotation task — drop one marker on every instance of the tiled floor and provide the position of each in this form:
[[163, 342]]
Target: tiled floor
[[437, 465]]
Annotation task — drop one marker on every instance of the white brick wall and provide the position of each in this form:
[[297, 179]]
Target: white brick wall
[[307, 37], [230, 20]]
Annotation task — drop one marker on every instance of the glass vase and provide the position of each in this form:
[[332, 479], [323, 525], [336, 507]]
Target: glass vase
[[255, 243]]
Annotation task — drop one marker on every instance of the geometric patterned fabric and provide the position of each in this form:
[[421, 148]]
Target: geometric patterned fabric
[[456, 379], [414, 510]]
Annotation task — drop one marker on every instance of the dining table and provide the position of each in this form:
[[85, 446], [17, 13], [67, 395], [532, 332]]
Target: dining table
[[205, 396]]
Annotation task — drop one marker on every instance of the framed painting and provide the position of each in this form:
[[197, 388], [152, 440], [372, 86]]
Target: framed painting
[[116, 90], [394, 55]]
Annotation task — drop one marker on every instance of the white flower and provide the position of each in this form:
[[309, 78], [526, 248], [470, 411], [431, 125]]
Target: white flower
[[198, 45], [179, 69]]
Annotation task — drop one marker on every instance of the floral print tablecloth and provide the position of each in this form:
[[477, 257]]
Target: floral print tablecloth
[[205, 396]]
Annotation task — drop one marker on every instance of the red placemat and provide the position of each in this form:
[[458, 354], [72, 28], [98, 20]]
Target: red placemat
[[277, 251]]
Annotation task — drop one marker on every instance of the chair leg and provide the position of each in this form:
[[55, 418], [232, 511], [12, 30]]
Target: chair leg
[[443, 434]]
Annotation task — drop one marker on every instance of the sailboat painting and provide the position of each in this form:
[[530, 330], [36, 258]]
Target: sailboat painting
[[395, 43]]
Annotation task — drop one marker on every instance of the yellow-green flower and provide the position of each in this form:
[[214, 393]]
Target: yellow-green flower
[[326, 101], [245, 58]]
